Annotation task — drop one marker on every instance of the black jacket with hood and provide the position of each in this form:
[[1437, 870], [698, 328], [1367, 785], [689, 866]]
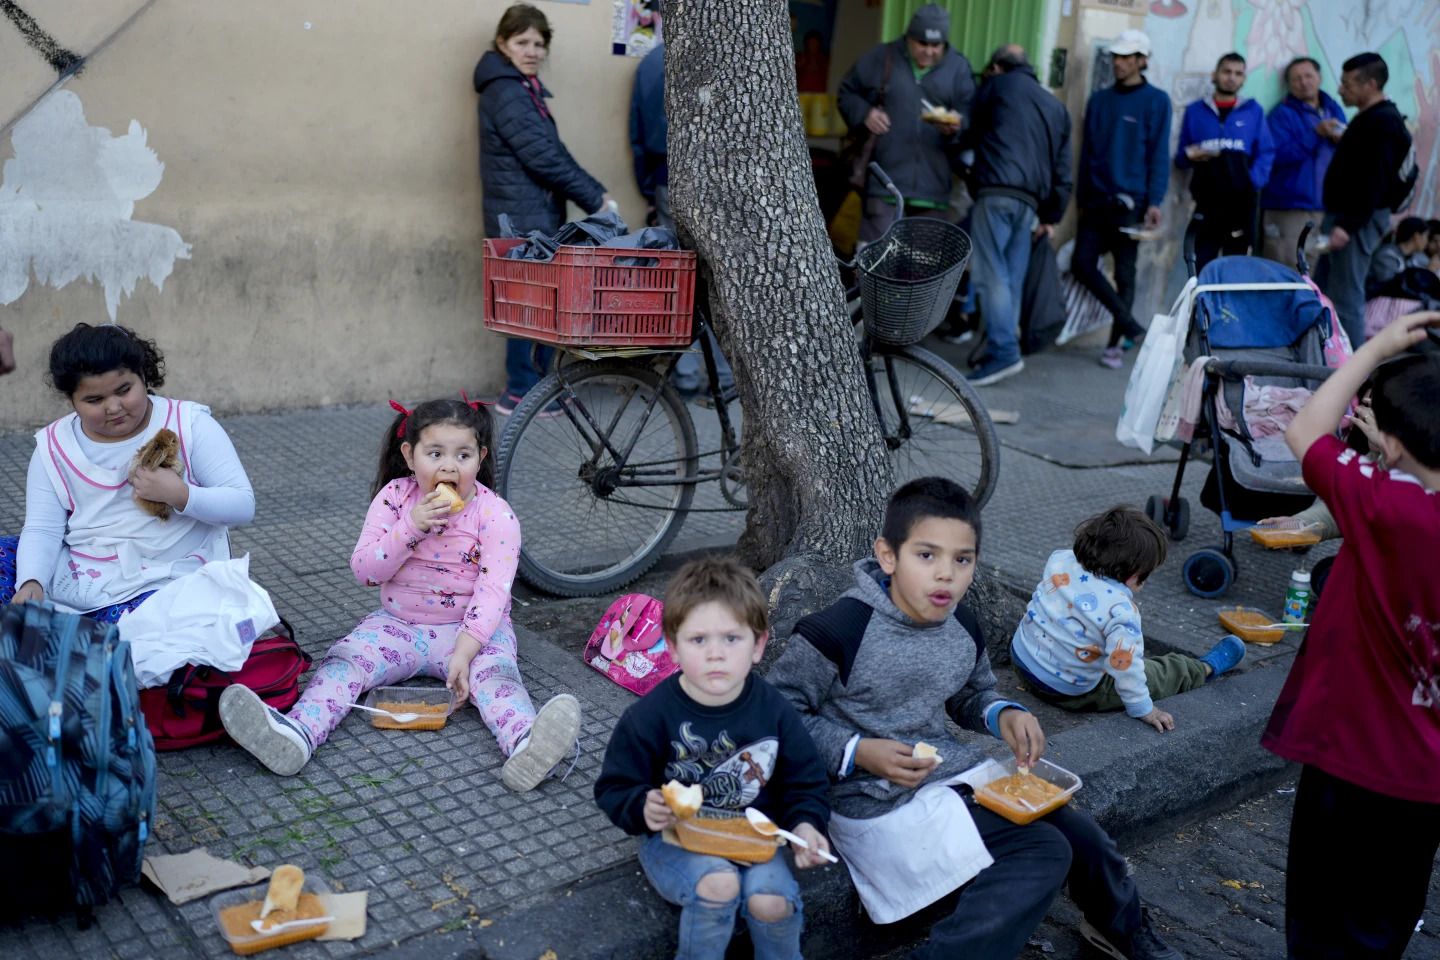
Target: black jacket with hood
[[1021, 137], [914, 153], [525, 170]]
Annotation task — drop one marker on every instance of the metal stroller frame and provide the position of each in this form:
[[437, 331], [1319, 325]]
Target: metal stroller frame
[[1210, 571]]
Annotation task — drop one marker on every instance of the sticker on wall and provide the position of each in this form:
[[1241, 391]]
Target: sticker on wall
[[635, 27], [66, 198]]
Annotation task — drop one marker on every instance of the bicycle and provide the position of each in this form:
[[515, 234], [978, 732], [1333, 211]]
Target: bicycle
[[604, 445]]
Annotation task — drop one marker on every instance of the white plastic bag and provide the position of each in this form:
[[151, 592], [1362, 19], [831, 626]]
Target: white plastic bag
[[210, 617], [1161, 361]]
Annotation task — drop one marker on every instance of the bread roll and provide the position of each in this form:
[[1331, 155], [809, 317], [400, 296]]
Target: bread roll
[[284, 890], [448, 492], [684, 801], [923, 751]]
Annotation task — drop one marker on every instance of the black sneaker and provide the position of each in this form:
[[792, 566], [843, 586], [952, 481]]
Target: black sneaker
[[1145, 943]]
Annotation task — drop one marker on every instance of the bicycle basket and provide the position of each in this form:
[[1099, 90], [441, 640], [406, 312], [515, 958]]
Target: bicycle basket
[[908, 278]]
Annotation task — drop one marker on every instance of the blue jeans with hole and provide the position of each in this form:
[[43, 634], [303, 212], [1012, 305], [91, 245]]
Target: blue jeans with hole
[[1001, 231], [705, 927]]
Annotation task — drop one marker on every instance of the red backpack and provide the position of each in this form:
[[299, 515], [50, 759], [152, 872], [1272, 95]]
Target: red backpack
[[185, 712]]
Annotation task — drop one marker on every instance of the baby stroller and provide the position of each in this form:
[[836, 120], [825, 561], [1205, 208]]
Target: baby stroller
[[1267, 331]]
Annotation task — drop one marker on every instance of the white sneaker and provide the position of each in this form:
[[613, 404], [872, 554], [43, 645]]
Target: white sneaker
[[273, 738], [551, 738]]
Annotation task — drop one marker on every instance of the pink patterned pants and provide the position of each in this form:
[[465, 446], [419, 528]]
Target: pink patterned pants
[[384, 650]]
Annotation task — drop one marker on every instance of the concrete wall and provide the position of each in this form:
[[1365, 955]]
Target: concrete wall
[[1188, 36], [319, 169]]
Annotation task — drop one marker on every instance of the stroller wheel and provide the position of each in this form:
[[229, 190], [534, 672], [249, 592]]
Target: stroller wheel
[[1155, 510], [1208, 572], [1181, 524]]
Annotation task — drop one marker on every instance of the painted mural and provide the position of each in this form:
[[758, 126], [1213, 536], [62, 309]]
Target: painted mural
[[1189, 35]]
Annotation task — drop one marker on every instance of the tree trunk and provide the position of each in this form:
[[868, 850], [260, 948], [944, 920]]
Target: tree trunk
[[743, 196]]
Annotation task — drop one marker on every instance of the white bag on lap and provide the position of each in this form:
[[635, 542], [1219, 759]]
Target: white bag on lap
[[209, 617]]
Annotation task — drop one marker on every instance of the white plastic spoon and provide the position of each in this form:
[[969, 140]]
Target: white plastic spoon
[[768, 828], [397, 717]]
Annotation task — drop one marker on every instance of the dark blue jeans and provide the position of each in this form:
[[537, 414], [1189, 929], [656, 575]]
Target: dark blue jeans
[[1001, 230], [520, 373], [1000, 908]]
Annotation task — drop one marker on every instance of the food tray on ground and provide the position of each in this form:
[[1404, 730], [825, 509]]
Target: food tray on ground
[[1023, 797], [732, 838], [1246, 623], [1286, 535], [234, 910], [437, 703]]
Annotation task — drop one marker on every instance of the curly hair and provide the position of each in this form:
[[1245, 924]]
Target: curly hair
[[88, 351]]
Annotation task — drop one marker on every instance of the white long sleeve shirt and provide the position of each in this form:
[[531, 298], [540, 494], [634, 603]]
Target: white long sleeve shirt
[[220, 494], [1078, 627]]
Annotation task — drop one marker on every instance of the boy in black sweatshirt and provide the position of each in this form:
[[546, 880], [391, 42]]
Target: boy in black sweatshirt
[[718, 725], [881, 670]]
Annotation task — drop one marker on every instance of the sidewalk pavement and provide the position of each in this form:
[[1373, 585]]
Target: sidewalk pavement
[[421, 819]]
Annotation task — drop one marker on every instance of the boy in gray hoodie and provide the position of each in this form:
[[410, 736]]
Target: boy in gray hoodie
[[881, 670]]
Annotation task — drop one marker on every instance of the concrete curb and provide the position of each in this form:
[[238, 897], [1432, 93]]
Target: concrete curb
[[1137, 784]]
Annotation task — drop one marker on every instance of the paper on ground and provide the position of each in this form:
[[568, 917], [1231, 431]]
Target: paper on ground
[[348, 909], [189, 876]]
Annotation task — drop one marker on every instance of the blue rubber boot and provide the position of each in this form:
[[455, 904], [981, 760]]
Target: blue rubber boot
[[1224, 655]]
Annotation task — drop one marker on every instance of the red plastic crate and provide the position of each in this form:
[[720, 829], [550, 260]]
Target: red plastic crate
[[583, 298]]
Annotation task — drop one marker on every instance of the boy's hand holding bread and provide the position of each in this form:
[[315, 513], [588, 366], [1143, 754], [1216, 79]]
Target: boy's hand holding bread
[[894, 761]]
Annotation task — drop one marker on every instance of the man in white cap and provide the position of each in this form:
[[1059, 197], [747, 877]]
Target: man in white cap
[[1124, 171], [882, 94]]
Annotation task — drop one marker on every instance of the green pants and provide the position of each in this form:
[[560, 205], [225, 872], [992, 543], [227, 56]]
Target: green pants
[[1165, 675]]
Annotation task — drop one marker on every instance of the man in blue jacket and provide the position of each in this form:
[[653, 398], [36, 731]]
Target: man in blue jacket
[[1124, 171], [1305, 128], [648, 131], [1223, 137]]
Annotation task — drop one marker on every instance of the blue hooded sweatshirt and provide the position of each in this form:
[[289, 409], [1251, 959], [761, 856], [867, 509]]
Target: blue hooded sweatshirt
[[1297, 180], [1127, 132], [648, 128], [1245, 150]]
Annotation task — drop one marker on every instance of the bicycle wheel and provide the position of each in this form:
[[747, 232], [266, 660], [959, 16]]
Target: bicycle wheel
[[946, 431], [589, 528]]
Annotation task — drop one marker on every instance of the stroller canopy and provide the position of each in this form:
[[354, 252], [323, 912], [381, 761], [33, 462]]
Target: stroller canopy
[[1245, 319]]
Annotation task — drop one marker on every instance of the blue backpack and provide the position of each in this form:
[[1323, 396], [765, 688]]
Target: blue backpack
[[77, 765]]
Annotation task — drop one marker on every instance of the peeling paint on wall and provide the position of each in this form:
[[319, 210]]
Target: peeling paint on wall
[[66, 198]]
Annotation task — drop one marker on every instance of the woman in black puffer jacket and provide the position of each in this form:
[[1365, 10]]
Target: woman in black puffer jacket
[[525, 171]]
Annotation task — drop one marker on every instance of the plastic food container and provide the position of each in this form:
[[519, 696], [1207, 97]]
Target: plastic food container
[[246, 944], [437, 703], [732, 838], [1245, 623], [993, 778], [1286, 535]]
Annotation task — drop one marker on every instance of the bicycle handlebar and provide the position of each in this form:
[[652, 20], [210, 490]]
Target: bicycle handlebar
[[889, 185]]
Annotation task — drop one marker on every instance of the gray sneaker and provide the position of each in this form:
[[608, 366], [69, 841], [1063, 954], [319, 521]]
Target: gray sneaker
[[551, 739], [271, 737]]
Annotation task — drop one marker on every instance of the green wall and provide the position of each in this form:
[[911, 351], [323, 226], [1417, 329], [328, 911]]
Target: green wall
[[977, 27]]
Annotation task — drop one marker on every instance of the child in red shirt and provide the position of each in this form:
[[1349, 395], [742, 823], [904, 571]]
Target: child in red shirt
[[1361, 707]]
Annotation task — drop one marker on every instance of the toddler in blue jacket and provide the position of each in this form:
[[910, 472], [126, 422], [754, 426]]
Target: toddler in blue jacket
[[1081, 646]]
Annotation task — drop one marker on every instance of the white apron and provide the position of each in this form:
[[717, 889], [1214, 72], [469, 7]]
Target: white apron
[[113, 550], [913, 855]]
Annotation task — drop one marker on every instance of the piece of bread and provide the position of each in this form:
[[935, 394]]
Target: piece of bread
[[284, 890], [448, 492], [161, 452], [684, 801], [923, 751]]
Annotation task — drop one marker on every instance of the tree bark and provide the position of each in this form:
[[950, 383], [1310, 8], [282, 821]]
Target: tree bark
[[743, 196]]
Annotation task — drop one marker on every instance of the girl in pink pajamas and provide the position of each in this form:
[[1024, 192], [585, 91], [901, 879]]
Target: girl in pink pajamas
[[444, 612]]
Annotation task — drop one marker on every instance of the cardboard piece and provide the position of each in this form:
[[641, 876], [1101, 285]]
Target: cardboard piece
[[184, 877], [348, 909]]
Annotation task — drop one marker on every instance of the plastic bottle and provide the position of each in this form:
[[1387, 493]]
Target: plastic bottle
[[1297, 597]]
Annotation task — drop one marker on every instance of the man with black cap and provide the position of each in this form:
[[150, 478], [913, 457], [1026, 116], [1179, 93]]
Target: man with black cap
[[915, 145]]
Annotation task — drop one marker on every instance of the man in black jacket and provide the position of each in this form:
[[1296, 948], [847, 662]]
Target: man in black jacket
[[882, 94], [1021, 181], [1361, 188]]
